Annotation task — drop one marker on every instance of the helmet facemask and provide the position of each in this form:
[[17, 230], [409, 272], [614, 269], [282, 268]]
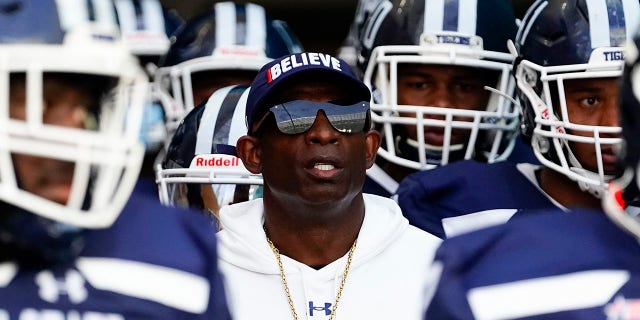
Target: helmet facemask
[[100, 155], [487, 129], [557, 135]]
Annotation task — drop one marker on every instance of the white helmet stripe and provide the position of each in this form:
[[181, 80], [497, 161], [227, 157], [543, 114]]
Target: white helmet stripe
[[256, 32], [105, 16], [239, 130], [127, 15], [599, 23], [225, 21], [467, 15], [631, 16], [153, 17], [433, 17], [532, 15], [72, 12]]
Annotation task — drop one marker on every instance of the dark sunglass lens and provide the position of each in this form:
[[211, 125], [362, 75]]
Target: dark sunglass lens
[[295, 125], [348, 123], [298, 116]]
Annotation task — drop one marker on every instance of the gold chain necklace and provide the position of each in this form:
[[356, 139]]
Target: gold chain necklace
[[276, 252]]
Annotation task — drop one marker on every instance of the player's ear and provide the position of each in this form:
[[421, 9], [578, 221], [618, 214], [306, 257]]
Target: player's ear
[[248, 149], [372, 142]]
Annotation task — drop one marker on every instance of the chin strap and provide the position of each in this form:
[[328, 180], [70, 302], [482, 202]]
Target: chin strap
[[598, 185], [433, 153], [597, 190]]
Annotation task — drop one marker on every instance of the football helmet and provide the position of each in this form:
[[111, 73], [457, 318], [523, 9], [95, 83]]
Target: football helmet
[[200, 163], [146, 27], [621, 200], [41, 39], [230, 36], [470, 34], [560, 41]]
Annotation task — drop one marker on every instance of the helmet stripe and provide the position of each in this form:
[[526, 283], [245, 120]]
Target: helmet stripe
[[256, 21], [72, 12], [631, 17], [450, 16], [204, 140], [600, 25], [225, 115], [225, 21], [468, 13], [433, 17], [152, 16], [530, 17], [104, 13], [238, 124], [240, 25], [127, 15]]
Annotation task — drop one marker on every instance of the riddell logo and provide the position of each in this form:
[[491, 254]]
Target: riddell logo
[[302, 59], [217, 162], [239, 50]]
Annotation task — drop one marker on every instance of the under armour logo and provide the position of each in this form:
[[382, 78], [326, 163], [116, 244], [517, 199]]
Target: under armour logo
[[326, 308], [51, 287]]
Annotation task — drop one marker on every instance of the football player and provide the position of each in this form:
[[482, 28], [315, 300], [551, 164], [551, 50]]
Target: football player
[[567, 67], [435, 69], [580, 264], [73, 243]]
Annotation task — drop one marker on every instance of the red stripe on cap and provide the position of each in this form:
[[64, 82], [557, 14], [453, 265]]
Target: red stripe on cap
[[269, 79]]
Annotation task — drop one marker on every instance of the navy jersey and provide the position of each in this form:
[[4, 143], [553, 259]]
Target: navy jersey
[[468, 195], [577, 265], [522, 152], [147, 186], [154, 262]]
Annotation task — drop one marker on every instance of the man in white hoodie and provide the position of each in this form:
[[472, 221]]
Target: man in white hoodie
[[316, 247]]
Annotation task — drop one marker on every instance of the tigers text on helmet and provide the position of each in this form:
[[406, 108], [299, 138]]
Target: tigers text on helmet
[[403, 43], [620, 201], [563, 45], [233, 38], [200, 169], [46, 45]]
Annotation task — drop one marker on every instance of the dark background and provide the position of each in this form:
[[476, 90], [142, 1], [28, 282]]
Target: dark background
[[321, 25]]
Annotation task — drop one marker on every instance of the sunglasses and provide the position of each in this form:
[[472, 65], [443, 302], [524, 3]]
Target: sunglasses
[[298, 116]]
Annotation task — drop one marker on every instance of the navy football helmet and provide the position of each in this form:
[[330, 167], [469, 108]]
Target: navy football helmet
[[559, 41], [469, 34], [230, 36], [45, 39], [200, 169], [347, 51], [622, 199]]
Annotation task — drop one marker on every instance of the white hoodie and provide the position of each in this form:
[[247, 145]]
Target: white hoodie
[[387, 279]]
